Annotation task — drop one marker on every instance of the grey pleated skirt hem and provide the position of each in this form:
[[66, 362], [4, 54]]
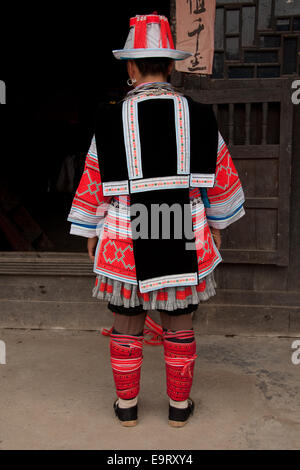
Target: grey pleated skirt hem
[[115, 296]]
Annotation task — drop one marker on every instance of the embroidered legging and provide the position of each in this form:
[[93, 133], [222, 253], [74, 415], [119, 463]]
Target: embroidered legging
[[126, 346]]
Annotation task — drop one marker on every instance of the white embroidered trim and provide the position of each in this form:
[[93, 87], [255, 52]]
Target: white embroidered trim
[[151, 184], [115, 188], [188, 279], [132, 138], [182, 127], [204, 180]]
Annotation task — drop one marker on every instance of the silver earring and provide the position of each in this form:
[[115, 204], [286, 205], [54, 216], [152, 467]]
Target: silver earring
[[131, 81]]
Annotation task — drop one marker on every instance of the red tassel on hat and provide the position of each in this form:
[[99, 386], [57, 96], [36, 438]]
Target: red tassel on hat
[[171, 43], [163, 33], [140, 33]]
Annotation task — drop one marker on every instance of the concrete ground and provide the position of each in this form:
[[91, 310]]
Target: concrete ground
[[57, 392]]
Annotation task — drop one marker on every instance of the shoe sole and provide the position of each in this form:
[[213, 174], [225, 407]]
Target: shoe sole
[[128, 424], [177, 424]]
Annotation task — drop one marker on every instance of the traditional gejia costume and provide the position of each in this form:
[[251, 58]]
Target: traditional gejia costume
[[166, 152]]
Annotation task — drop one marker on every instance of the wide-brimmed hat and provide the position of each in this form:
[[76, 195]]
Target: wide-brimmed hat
[[149, 36]]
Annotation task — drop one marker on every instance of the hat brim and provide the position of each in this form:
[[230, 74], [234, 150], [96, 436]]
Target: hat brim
[[127, 54]]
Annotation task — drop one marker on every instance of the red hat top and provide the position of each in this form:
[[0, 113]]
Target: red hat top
[[150, 36]]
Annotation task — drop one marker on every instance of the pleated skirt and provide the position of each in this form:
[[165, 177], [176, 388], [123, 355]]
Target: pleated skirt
[[125, 298]]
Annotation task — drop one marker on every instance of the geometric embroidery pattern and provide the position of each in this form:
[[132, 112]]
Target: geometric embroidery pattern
[[90, 184], [205, 249], [113, 254], [224, 175]]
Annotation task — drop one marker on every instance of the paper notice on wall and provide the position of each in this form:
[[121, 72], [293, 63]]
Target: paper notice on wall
[[195, 27]]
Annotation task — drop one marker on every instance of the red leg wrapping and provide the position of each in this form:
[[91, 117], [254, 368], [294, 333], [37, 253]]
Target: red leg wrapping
[[126, 354], [180, 360]]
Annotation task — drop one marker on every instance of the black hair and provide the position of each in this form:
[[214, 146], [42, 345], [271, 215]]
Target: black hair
[[153, 65]]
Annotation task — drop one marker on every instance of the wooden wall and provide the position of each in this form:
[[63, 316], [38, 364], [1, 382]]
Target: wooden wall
[[259, 279]]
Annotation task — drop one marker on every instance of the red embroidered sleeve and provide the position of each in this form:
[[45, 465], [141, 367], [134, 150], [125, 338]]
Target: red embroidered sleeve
[[89, 206], [226, 197]]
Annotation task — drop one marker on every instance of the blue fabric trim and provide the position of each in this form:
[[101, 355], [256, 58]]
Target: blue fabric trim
[[227, 216], [83, 225], [205, 197]]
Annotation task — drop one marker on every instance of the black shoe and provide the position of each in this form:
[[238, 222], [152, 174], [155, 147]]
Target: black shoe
[[127, 416], [179, 417]]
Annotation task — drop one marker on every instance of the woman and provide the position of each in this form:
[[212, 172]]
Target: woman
[[167, 154]]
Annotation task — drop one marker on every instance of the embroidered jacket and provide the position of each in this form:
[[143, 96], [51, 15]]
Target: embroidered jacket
[[95, 214]]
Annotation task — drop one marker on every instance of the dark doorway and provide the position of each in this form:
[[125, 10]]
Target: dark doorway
[[59, 68]]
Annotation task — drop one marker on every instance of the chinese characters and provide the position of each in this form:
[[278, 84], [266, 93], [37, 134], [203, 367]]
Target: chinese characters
[[199, 8]]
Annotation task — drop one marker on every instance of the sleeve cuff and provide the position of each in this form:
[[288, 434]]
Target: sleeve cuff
[[224, 222], [83, 231]]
